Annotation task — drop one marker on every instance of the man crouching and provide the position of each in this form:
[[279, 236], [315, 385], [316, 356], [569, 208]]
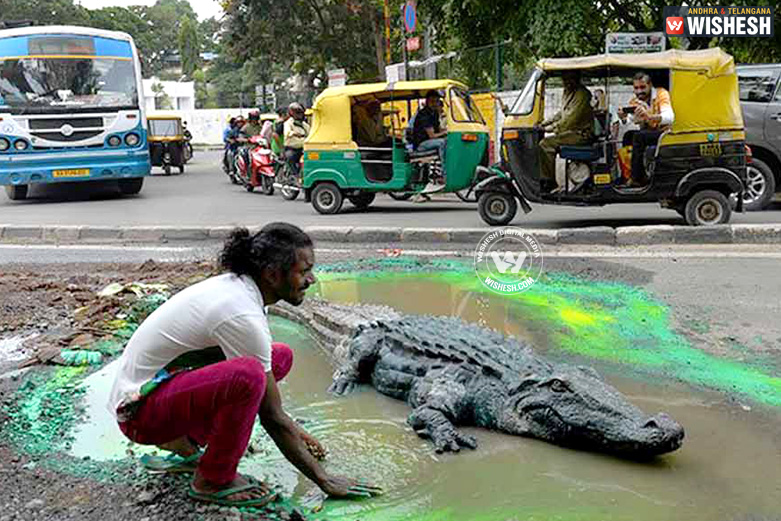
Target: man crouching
[[202, 366]]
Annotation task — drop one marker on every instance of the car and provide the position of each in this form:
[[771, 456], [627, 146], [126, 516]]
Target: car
[[760, 100]]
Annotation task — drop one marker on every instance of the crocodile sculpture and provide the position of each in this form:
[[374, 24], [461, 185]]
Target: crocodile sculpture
[[456, 374]]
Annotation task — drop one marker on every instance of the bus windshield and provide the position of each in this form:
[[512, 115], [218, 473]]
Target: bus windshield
[[53, 84]]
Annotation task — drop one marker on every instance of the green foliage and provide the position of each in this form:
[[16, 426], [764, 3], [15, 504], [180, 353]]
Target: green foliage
[[189, 47], [162, 100]]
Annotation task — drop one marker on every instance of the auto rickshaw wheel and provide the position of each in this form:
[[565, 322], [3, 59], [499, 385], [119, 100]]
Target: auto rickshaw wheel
[[497, 208], [16, 192], [362, 200], [707, 208], [130, 186], [327, 198], [760, 186], [400, 196], [266, 185]]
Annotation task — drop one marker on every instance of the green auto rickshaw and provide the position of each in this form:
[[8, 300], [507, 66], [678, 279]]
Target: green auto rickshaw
[[337, 165]]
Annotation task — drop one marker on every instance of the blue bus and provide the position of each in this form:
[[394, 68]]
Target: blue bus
[[71, 109]]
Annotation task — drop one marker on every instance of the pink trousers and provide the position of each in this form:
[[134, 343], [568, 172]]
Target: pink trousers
[[214, 406]]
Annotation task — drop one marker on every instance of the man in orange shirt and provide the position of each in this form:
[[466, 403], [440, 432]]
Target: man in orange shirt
[[653, 113]]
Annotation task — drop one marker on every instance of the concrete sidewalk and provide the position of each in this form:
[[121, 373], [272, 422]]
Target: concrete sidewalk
[[598, 235]]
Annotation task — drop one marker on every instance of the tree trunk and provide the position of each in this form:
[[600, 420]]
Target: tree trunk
[[378, 29]]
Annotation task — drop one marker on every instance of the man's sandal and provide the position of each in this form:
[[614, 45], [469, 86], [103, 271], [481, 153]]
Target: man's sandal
[[221, 497], [171, 464]]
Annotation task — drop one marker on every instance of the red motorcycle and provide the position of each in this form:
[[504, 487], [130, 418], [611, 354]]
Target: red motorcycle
[[262, 165]]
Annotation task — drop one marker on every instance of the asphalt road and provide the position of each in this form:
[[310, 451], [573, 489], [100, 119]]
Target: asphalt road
[[203, 196]]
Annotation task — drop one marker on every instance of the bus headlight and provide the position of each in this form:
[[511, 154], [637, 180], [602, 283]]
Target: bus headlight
[[114, 141], [132, 140], [20, 144], [4, 144]]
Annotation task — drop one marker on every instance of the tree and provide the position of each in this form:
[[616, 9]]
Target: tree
[[44, 12], [189, 47], [162, 100], [308, 36]]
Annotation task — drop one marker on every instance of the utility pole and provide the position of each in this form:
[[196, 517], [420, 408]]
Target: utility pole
[[387, 33]]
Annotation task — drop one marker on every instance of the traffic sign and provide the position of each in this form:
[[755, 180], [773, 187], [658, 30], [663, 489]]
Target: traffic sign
[[410, 17], [413, 43]]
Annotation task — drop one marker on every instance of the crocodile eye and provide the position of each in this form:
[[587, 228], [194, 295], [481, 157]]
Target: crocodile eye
[[558, 386]]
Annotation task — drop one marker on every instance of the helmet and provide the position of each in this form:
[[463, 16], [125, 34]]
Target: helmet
[[295, 108]]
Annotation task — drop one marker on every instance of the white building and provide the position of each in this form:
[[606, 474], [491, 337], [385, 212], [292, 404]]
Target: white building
[[181, 95]]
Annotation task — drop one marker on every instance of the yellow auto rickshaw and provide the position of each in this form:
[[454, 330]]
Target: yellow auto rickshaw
[[338, 164], [696, 166], [167, 142]]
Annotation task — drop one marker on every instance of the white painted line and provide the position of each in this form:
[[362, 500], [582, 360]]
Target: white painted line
[[594, 253], [106, 247]]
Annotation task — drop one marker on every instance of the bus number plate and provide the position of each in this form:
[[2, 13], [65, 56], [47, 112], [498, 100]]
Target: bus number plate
[[710, 149], [80, 172]]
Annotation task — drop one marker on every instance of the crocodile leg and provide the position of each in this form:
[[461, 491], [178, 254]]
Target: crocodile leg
[[362, 355], [434, 424]]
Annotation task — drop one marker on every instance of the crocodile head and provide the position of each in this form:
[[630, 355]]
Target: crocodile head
[[573, 407]]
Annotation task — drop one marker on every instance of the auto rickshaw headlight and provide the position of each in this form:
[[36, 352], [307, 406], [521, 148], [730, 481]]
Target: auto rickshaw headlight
[[132, 140], [4, 144], [114, 141], [20, 144]]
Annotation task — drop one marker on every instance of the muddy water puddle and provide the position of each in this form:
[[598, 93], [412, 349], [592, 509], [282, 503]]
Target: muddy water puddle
[[729, 467]]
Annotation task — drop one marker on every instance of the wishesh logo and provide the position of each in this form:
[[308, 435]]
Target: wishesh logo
[[745, 21], [674, 25]]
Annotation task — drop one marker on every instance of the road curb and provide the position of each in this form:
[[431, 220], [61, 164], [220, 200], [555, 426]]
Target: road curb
[[595, 235]]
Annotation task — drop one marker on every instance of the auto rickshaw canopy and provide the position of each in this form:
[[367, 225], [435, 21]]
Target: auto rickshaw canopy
[[165, 128], [703, 84], [332, 124]]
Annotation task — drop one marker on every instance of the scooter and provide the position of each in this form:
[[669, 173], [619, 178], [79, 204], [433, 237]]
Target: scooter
[[289, 181], [261, 168]]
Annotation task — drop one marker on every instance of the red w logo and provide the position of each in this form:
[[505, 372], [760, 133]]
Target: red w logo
[[674, 25]]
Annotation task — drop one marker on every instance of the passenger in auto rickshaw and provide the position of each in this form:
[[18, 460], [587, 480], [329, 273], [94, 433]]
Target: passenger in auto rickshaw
[[367, 124], [653, 113], [572, 125]]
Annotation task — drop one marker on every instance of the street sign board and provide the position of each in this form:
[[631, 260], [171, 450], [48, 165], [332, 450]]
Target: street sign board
[[410, 17], [337, 78], [396, 72], [616, 43], [413, 43]]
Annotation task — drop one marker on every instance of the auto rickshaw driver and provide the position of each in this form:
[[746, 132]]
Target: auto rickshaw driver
[[572, 125], [367, 121]]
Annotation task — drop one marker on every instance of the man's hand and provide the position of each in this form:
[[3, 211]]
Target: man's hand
[[312, 445], [344, 487]]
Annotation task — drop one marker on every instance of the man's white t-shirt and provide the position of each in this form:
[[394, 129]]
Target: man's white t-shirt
[[225, 311]]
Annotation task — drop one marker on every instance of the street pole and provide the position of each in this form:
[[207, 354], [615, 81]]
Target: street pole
[[387, 33]]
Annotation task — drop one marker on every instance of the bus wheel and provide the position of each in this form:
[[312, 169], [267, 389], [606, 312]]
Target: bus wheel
[[707, 208], [131, 186], [362, 200], [16, 192], [497, 208], [327, 198]]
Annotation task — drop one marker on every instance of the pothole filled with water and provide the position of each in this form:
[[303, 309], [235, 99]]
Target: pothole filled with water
[[729, 466]]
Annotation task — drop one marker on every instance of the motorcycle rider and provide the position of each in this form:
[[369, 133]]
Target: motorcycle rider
[[296, 131], [229, 136], [250, 129]]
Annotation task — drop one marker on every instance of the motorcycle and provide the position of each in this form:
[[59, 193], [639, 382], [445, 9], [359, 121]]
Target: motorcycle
[[188, 147], [229, 164], [290, 180], [261, 168]]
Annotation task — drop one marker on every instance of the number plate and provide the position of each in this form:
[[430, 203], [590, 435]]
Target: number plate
[[710, 150], [80, 172], [602, 179]]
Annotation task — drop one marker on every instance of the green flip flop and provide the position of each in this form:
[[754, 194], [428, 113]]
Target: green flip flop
[[171, 464], [220, 498]]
